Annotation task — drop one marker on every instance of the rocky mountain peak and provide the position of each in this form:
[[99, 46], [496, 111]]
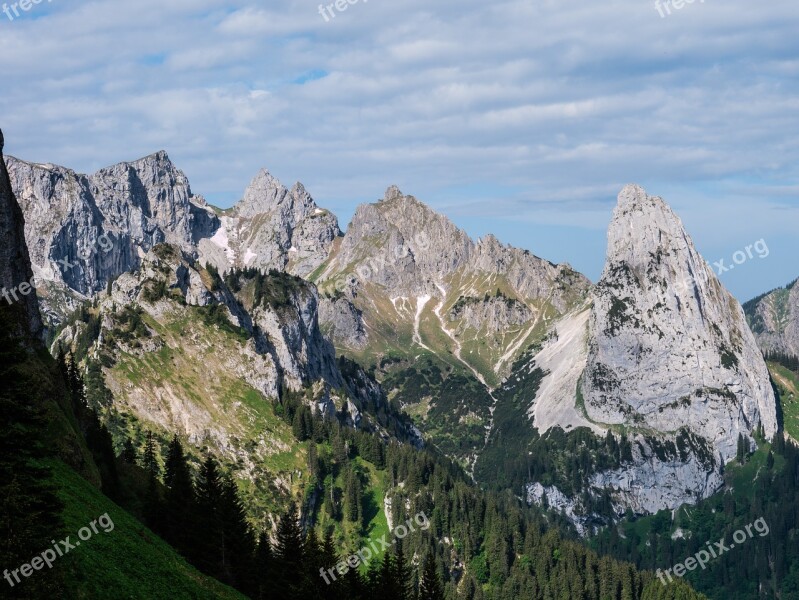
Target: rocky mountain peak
[[264, 194], [669, 345], [666, 357], [642, 224], [393, 193], [272, 227]]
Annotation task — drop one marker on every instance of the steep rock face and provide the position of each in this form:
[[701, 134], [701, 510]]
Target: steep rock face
[[286, 332], [402, 246], [16, 275], [163, 321], [86, 230], [272, 227], [670, 346], [664, 353], [410, 275], [774, 319], [342, 321]]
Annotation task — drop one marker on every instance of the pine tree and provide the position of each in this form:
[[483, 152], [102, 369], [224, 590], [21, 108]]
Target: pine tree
[[264, 568], [208, 538], [430, 584], [352, 496], [129, 453], [236, 552], [150, 458], [289, 555], [180, 498], [329, 559], [402, 575]]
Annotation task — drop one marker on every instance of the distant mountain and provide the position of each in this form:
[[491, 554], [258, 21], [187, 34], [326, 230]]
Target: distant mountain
[[418, 282], [662, 359], [499, 356], [272, 227], [85, 230], [234, 365], [774, 319]]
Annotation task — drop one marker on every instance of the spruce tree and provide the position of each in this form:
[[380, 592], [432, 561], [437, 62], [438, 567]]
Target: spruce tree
[[430, 585], [129, 453], [289, 553], [236, 552], [264, 568], [30, 512], [180, 497], [207, 539], [150, 457], [402, 575]]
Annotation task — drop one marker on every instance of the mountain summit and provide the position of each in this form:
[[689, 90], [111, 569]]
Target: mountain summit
[[663, 355], [670, 345]]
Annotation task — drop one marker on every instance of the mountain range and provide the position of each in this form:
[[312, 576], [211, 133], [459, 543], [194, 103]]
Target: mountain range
[[630, 395]]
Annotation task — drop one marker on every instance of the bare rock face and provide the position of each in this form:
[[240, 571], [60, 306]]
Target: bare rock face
[[342, 321], [670, 346], [16, 276], [407, 271], [284, 344], [664, 352], [774, 319], [86, 230], [272, 227]]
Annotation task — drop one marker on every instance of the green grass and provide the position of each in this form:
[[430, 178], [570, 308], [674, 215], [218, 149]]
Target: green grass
[[788, 385], [377, 524], [127, 562], [191, 370]]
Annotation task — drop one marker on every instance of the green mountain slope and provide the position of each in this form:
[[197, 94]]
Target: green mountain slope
[[129, 561]]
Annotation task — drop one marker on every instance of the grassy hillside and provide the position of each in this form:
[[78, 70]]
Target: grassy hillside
[[787, 383], [129, 561], [183, 376]]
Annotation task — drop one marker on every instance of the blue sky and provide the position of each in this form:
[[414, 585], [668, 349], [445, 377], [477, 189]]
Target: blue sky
[[519, 118]]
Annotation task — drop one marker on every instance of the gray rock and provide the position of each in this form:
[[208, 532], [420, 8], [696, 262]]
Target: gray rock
[[272, 227], [774, 319], [86, 230], [667, 354], [16, 276]]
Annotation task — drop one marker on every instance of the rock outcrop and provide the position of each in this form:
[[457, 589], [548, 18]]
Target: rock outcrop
[[85, 230], [670, 347], [272, 227], [774, 319], [407, 272], [16, 275], [665, 354]]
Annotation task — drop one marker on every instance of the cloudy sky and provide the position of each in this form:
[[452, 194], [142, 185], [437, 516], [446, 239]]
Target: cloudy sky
[[520, 118]]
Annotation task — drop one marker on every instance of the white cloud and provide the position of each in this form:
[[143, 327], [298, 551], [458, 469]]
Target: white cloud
[[562, 101]]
